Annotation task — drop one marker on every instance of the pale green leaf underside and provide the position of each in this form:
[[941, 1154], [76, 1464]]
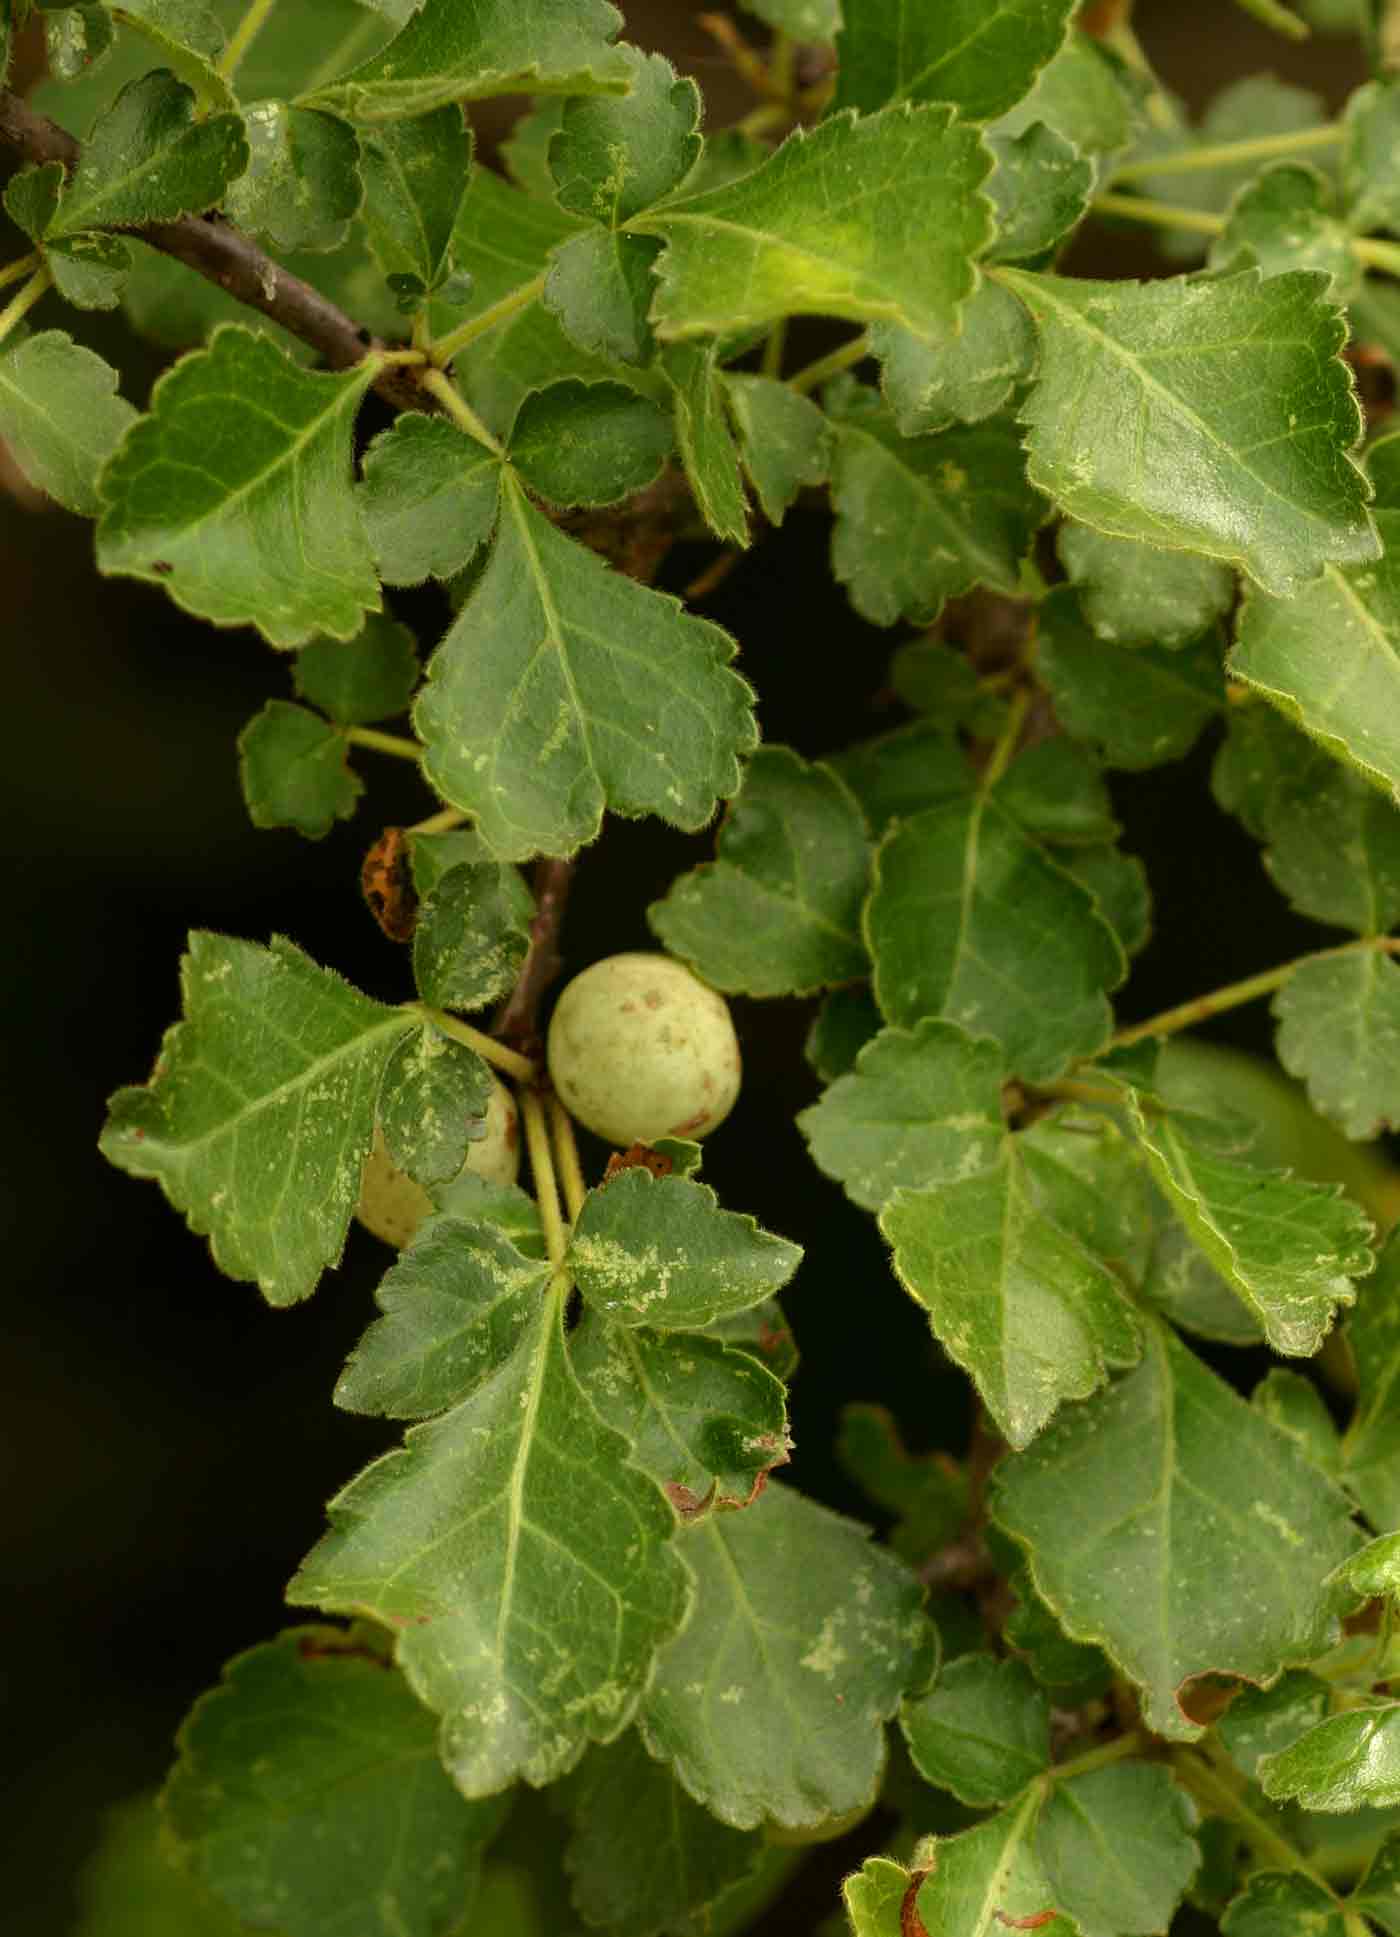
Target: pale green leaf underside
[[60, 416]]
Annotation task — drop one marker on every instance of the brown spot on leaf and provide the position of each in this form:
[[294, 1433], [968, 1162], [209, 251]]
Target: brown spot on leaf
[[689, 1504]]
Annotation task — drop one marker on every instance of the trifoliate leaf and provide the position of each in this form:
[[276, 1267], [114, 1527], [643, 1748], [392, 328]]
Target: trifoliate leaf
[[471, 936], [1056, 791], [1213, 417], [903, 772], [980, 55], [234, 493], [525, 151], [369, 677], [428, 499], [600, 289], [1349, 1761], [73, 40], [522, 1559], [149, 160], [659, 1251], [302, 188], [875, 219], [1086, 94], [1347, 696], [778, 911], [706, 1421], [842, 1026], [963, 375], [614, 157], [1295, 1405], [432, 1104], [1175, 1561], [1339, 1032], [969, 919], [497, 47], [294, 769], [1142, 706], [130, 1885], [1370, 168], [259, 1113], [641, 1854], [1372, 1445], [1288, 1249], [564, 687], [784, 440], [1029, 1314], [61, 416], [1277, 1904], [309, 1794], [922, 1106], [1041, 187], [874, 1897], [707, 447], [1117, 1846], [920, 520], [1261, 1721], [1285, 220], [989, 1878], [928, 1493], [770, 1704], [1136, 595], [983, 1731], [1118, 883], [589, 443], [415, 175]]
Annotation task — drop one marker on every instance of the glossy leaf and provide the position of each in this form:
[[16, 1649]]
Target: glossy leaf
[[778, 911], [707, 447], [1142, 707], [1261, 1721], [771, 1703], [1372, 1445], [801, 232], [309, 1794], [259, 1113], [963, 375], [589, 443], [981, 55], [302, 187], [921, 1106], [61, 416], [148, 160], [983, 1731], [428, 499], [1350, 1761], [1041, 187], [1277, 1904], [968, 919], [659, 1251], [294, 769], [1177, 1562], [369, 677], [471, 936], [1214, 417], [920, 520], [989, 1878], [415, 176], [1339, 1032], [614, 156], [564, 687], [1136, 595], [234, 494]]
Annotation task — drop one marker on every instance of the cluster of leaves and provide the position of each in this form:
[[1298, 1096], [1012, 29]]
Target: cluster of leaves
[[575, 1574]]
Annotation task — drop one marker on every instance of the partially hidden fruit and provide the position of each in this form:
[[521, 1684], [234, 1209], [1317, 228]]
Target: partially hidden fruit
[[392, 1205], [639, 1048]]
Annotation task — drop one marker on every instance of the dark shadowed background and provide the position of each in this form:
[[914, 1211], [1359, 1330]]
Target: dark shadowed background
[[167, 1442]]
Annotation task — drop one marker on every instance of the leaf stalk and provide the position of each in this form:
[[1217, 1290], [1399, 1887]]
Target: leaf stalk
[[243, 36], [440, 386], [543, 1175], [566, 1158], [24, 301], [816, 374], [446, 347], [1228, 154], [22, 266], [487, 1047], [397, 744], [1235, 994]]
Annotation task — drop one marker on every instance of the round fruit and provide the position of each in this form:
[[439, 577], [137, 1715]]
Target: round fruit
[[639, 1048], [392, 1205]]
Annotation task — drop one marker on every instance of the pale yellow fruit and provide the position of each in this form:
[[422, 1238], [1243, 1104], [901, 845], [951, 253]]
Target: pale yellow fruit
[[639, 1048], [392, 1205]]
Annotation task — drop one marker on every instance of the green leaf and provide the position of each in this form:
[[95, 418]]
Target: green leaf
[[564, 687], [1350, 1761], [1182, 1282], [1288, 1249], [73, 40], [928, 1493], [446, 53], [983, 1731], [525, 151], [1179, 1563], [1347, 697], [308, 1794], [980, 55], [259, 1113], [784, 440], [842, 1026], [428, 500], [1135, 595], [920, 520], [1378, 1893], [707, 447], [1370, 168], [874, 1897], [89, 271], [415, 175], [1056, 792], [641, 1854], [149, 160], [234, 493], [770, 1703], [921, 1106], [294, 770], [1086, 94], [60, 416], [1375, 1571], [1116, 1844], [801, 232], [1294, 1403], [1118, 883], [1031, 1315], [1141, 707], [188, 39], [614, 157], [129, 1885], [1071, 1670], [1041, 188], [706, 1421], [902, 772], [963, 375], [1085, 1175], [303, 187], [472, 936], [659, 1251], [589, 443], [990, 1877], [815, 21], [969, 919], [1276, 1904], [1261, 1721], [1285, 220], [600, 289], [1372, 1444], [522, 1560], [1213, 417], [1339, 1032], [778, 911], [432, 1104], [369, 677]]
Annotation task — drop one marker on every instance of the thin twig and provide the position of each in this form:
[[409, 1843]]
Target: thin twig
[[517, 1020]]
